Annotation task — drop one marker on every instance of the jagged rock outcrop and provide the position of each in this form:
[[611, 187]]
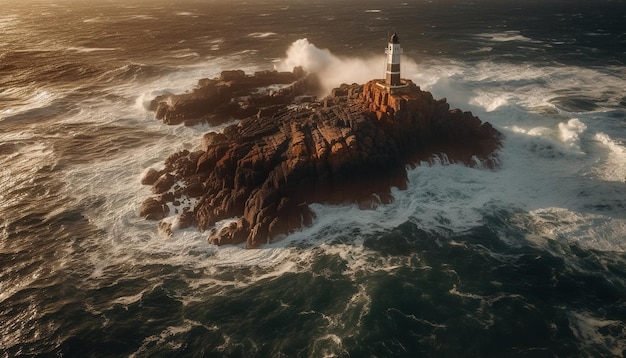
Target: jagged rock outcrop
[[352, 147], [233, 95]]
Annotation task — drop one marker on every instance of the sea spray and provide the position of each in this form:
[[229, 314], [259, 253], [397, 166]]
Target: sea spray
[[334, 70], [571, 132]]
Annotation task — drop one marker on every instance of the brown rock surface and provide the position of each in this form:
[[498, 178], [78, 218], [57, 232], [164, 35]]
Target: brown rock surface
[[354, 147], [150, 177], [233, 95], [153, 209]]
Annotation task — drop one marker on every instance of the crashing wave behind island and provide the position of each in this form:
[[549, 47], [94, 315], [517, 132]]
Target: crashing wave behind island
[[264, 171]]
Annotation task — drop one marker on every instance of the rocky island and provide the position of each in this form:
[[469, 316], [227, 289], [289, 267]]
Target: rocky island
[[289, 150]]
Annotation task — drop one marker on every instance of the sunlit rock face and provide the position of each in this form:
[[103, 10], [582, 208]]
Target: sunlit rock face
[[351, 147]]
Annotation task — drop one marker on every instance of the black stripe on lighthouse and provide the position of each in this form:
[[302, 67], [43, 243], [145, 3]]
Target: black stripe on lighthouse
[[393, 67], [393, 79], [393, 74]]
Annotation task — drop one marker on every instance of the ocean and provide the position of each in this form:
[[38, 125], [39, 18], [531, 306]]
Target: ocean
[[527, 260]]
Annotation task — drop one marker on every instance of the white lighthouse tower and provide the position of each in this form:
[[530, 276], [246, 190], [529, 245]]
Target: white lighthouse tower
[[393, 51]]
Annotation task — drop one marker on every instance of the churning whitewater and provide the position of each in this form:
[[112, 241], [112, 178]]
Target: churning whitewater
[[525, 260]]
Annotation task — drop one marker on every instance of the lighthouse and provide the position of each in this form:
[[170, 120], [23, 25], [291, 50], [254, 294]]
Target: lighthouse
[[393, 83], [393, 52]]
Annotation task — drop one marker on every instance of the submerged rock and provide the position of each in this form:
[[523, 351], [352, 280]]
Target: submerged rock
[[153, 209], [352, 147]]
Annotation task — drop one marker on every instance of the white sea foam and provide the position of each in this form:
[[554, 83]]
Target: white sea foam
[[129, 300], [9, 22], [557, 168], [173, 337], [139, 17], [484, 49], [180, 81], [334, 70], [546, 162], [592, 332], [548, 157], [505, 36], [613, 168], [418, 319], [184, 54], [31, 100], [490, 101], [562, 175], [94, 20], [571, 131], [81, 49], [527, 86], [261, 35], [186, 13], [215, 43]]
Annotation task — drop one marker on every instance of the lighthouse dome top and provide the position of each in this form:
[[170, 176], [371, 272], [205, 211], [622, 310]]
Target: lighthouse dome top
[[394, 39]]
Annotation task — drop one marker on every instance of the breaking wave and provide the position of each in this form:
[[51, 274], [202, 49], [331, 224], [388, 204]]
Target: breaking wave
[[334, 70]]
